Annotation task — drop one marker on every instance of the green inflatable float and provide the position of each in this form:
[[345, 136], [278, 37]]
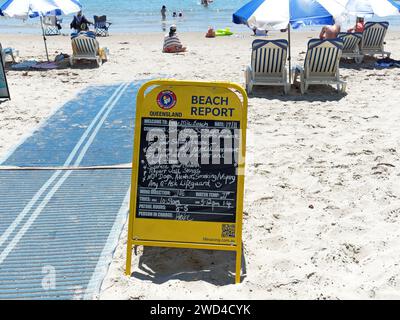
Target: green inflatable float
[[223, 32]]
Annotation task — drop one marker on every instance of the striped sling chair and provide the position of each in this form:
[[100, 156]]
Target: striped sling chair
[[351, 45], [268, 59], [85, 48], [321, 65], [373, 37]]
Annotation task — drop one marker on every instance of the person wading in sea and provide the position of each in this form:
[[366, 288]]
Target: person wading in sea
[[164, 12]]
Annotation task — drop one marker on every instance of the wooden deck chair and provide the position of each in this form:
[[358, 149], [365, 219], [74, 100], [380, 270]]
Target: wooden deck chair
[[51, 25], [268, 59], [373, 37], [101, 26], [321, 65], [85, 48], [351, 45]]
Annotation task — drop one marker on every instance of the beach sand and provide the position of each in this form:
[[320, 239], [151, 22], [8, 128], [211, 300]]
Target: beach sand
[[322, 189]]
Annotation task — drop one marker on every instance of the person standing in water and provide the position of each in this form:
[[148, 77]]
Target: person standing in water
[[164, 12]]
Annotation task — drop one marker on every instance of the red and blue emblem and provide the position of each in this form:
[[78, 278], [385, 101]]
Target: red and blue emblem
[[166, 99]]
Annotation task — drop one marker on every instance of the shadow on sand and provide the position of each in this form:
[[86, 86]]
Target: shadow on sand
[[368, 63], [322, 93], [160, 265]]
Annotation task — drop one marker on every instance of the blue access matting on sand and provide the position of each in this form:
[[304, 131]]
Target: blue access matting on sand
[[59, 228]]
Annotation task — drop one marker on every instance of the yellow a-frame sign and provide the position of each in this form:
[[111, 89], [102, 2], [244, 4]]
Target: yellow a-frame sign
[[4, 92], [188, 167]]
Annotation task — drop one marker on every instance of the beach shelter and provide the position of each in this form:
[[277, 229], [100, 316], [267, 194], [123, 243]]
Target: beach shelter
[[282, 14], [24, 9]]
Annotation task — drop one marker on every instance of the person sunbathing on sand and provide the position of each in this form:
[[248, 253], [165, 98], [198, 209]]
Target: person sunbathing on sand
[[172, 44], [210, 33], [330, 32]]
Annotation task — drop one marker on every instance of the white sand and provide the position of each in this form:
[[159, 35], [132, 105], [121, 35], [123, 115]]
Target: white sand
[[339, 154]]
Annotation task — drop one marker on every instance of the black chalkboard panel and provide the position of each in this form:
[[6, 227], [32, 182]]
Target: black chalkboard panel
[[201, 190]]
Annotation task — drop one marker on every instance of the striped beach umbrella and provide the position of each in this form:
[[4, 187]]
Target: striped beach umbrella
[[278, 14], [23, 9]]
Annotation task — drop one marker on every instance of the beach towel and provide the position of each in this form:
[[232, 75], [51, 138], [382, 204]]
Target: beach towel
[[34, 65], [45, 66], [387, 63], [25, 65]]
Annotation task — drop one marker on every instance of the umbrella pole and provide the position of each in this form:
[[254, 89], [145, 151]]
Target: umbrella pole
[[290, 55], [44, 38]]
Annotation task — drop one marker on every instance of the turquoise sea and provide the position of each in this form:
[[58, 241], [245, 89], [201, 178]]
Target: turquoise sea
[[144, 16]]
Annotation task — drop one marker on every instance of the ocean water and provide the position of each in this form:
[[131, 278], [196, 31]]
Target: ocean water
[[144, 15], [138, 16]]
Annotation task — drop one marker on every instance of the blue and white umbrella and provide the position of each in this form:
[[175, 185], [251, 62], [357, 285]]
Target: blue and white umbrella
[[278, 14], [22, 9]]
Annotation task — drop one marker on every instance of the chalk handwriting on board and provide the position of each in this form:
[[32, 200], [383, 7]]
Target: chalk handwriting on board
[[178, 175]]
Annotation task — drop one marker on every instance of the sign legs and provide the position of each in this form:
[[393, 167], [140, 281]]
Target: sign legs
[[238, 263], [128, 258]]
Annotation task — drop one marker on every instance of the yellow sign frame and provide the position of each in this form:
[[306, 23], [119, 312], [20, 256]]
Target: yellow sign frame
[[136, 225]]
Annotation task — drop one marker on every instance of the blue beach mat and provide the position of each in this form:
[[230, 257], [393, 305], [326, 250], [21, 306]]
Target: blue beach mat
[[59, 227]]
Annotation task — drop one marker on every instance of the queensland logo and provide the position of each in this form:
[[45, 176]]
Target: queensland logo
[[166, 100]]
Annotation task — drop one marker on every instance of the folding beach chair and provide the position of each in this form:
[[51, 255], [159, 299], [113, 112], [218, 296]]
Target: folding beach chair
[[373, 37], [268, 59], [351, 45], [12, 53], [51, 25], [321, 65], [85, 48], [101, 26]]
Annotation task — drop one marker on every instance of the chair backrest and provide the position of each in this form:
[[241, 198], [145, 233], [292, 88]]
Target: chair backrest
[[268, 56], [83, 45], [50, 20], [323, 56], [373, 35], [351, 41], [100, 21]]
